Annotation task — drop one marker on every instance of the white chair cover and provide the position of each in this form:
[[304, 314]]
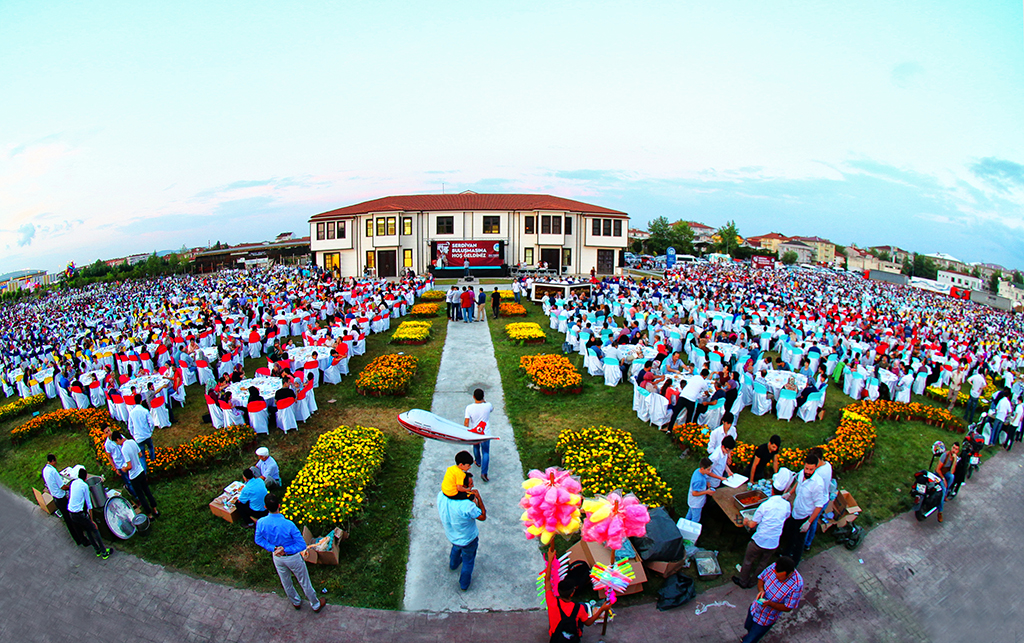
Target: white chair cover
[[760, 404], [809, 411], [286, 418], [658, 411], [612, 372], [786, 405], [593, 363], [712, 418]]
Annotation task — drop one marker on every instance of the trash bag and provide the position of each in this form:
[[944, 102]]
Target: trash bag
[[663, 541], [678, 589]]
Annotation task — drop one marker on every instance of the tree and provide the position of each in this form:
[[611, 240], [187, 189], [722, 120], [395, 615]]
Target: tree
[[665, 235], [881, 256], [993, 281], [907, 269], [1018, 278], [924, 267], [728, 240], [789, 258], [976, 272]]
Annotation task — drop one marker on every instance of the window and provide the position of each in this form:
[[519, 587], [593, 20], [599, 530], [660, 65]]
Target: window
[[332, 261], [407, 225], [407, 258], [445, 225], [330, 229], [556, 225], [392, 221], [492, 225], [545, 225], [371, 259], [341, 229], [529, 224], [607, 231], [369, 227], [319, 232], [597, 228], [568, 225], [618, 228], [381, 227], [566, 257], [528, 256]]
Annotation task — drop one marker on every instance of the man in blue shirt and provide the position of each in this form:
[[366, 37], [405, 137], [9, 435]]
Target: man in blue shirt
[[281, 537], [459, 520], [250, 503]]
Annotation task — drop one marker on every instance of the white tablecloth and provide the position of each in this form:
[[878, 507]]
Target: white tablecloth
[[267, 386], [727, 350], [302, 354], [141, 384], [778, 379]]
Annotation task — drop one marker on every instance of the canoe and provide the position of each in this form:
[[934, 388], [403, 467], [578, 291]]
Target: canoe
[[435, 427]]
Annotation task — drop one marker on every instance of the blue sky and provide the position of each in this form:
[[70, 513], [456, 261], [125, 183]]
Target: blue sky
[[131, 126]]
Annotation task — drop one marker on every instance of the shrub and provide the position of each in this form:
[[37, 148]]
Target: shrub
[[424, 310], [387, 375], [433, 295], [551, 372], [411, 332], [525, 332], [23, 405], [607, 460]]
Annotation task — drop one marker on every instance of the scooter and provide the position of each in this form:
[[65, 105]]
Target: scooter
[[970, 450], [926, 492]]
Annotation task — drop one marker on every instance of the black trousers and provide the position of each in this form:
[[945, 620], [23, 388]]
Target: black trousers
[[691, 409], [452, 311], [245, 513], [76, 533], [142, 493], [84, 522], [792, 542]]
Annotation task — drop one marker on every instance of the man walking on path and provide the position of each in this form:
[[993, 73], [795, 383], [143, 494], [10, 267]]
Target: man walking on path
[[495, 302], [281, 537], [459, 518], [779, 589], [477, 415]]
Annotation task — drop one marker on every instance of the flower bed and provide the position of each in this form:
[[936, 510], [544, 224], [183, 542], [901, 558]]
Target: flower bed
[[942, 395], [512, 310], [855, 437], [433, 295], [412, 332], [23, 405], [182, 458], [607, 460], [387, 375], [553, 373], [329, 487], [525, 333], [424, 310], [507, 295]]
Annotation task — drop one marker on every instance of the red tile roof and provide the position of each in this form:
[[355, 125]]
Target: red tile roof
[[467, 201]]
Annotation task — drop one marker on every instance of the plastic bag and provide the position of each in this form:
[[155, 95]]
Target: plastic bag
[[677, 590], [663, 541]]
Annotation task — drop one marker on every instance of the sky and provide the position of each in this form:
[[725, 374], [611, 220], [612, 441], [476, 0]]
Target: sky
[[129, 127]]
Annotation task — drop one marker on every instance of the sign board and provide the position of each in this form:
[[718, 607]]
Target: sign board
[[758, 261], [481, 254], [670, 257]]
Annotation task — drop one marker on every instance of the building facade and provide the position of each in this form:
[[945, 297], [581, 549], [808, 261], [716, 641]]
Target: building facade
[[824, 250], [770, 241], [804, 253], [958, 279], [392, 234]]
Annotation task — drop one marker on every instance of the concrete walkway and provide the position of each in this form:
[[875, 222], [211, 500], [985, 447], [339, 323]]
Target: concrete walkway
[[506, 563]]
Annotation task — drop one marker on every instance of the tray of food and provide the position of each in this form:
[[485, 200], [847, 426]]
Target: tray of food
[[749, 499], [748, 514], [707, 564]]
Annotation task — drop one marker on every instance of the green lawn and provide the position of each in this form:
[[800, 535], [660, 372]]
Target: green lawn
[[188, 537]]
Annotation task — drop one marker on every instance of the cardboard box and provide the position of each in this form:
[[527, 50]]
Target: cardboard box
[[218, 509], [597, 553], [45, 501], [664, 569], [329, 557], [845, 509]]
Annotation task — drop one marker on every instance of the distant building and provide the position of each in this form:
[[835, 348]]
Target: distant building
[[21, 279], [948, 262], [804, 252], [958, 279], [895, 253], [1013, 292], [638, 234], [768, 241], [287, 251], [824, 250]]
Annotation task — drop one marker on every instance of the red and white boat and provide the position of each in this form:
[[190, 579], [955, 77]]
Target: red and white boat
[[429, 425]]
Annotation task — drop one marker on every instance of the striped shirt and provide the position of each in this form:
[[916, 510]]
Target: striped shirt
[[788, 593]]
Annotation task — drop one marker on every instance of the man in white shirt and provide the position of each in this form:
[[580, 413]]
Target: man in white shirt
[[726, 428], [79, 505], [807, 506], [978, 383], [768, 521], [478, 414], [58, 491], [824, 473], [720, 462], [1001, 414], [140, 426], [692, 390], [133, 466]]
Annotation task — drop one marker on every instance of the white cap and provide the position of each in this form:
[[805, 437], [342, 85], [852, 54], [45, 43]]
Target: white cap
[[262, 451], [782, 479]]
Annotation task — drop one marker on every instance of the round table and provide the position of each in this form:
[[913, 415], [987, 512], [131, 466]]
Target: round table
[[778, 379], [142, 383], [727, 350], [267, 386], [302, 354]]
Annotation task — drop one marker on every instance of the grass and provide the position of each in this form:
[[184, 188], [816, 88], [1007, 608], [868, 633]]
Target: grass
[[880, 487], [189, 538]]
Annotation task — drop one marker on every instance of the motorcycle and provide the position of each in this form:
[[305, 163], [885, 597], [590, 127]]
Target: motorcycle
[[926, 492], [970, 450]]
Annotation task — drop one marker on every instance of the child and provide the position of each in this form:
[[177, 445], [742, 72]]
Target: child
[[457, 483], [699, 490]]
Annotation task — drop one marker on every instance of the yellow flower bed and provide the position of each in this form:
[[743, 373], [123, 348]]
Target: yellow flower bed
[[330, 487], [551, 372], [387, 375], [424, 310], [512, 309], [411, 332], [506, 295], [965, 394], [607, 460], [433, 295], [522, 332], [17, 407]]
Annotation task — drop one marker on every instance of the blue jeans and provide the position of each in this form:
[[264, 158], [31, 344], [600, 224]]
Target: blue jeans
[[945, 490], [482, 454], [467, 314], [997, 428], [949, 481], [517, 297], [755, 631], [147, 446], [972, 404], [813, 529], [464, 555], [127, 482], [693, 514]]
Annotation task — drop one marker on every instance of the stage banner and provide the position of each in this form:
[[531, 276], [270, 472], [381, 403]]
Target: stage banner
[[481, 254]]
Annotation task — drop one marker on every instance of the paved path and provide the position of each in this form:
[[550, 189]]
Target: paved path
[[506, 563], [919, 582]]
